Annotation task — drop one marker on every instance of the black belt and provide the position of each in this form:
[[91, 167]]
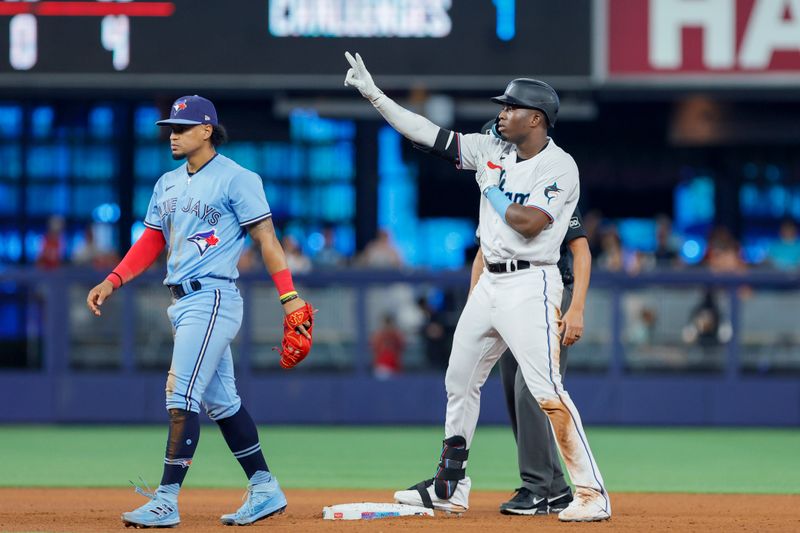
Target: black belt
[[508, 266], [179, 292]]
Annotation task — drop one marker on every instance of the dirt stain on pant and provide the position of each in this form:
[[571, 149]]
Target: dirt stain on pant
[[563, 428]]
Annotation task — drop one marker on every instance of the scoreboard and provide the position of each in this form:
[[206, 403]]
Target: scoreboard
[[289, 43]]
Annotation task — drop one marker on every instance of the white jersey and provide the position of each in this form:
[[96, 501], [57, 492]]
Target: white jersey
[[548, 182]]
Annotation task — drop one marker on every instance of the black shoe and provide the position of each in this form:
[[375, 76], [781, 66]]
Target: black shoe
[[525, 502], [559, 503]]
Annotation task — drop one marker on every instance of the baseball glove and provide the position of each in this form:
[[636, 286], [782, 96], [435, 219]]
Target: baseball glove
[[295, 345]]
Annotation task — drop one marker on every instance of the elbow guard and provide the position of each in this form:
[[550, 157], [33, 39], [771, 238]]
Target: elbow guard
[[445, 146]]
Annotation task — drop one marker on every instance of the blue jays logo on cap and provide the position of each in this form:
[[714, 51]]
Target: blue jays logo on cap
[[551, 191], [204, 240], [191, 111]]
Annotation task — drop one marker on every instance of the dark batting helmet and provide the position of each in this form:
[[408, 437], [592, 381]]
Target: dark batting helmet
[[533, 94]]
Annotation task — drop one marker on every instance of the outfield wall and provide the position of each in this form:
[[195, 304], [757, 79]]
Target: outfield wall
[[70, 367]]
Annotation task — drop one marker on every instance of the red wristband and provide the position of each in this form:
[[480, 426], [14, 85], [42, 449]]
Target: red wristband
[[283, 282]]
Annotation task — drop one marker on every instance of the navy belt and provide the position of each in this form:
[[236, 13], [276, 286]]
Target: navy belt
[[179, 292]]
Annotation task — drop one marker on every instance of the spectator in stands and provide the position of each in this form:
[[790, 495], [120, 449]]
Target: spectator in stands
[[641, 319], [666, 253], [88, 252], [295, 259], [329, 256], [250, 260], [706, 327], [381, 253], [784, 254], [387, 348], [614, 258], [723, 254], [52, 252], [646, 324], [611, 256], [592, 224], [435, 335]]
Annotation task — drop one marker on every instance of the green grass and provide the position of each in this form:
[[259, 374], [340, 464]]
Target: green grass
[[631, 459]]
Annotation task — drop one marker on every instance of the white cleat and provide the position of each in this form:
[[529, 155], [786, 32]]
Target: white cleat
[[458, 503], [589, 505]]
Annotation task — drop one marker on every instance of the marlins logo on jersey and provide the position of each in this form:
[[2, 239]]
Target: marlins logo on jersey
[[204, 240], [551, 191]]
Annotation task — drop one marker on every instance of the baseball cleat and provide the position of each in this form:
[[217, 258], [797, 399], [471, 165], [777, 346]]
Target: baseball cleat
[[559, 503], [158, 512], [525, 502], [262, 501], [458, 503], [589, 505]]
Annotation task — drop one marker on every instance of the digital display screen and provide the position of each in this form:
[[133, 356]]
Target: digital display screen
[[290, 43]]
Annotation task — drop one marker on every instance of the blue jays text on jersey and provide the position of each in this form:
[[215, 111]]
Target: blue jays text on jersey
[[203, 218], [196, 207]]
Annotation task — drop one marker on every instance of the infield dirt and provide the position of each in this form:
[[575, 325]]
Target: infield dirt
[[98, 510]]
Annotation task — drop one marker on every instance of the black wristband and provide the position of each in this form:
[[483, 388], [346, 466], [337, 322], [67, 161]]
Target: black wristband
[[288, 299]]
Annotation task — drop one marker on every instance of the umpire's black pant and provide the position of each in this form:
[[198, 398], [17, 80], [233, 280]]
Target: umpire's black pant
[[537, 452]]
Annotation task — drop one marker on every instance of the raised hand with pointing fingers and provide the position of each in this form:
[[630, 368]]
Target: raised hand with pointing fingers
[[359, 77]]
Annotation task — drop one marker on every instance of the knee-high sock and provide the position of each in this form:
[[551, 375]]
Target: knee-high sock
[[184, 432], [241, 435]]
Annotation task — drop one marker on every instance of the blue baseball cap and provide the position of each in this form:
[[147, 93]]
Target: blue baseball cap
[[191, 110]]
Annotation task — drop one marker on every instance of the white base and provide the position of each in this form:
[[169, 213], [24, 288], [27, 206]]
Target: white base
[[371, 511]]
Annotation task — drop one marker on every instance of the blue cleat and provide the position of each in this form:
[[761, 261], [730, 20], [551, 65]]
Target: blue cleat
[[160, 511], [263, 500]]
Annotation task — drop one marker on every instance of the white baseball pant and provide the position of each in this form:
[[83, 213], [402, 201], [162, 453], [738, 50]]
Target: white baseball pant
[[518, 310]]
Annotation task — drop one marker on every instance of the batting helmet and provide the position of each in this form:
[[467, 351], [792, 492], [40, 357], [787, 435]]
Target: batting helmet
[[533, 94]]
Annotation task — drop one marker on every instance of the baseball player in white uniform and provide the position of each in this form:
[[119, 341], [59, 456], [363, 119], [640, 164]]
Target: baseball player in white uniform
[[530, 188]]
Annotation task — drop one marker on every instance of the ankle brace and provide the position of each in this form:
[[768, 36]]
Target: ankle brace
[[452, 466]]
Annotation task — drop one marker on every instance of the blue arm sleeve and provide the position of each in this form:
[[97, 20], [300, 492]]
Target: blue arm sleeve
[[499, 201]]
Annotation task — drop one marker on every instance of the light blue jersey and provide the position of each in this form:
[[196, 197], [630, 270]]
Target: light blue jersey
[[203, 216]]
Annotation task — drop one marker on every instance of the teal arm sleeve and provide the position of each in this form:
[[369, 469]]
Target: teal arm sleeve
[[499, 201]]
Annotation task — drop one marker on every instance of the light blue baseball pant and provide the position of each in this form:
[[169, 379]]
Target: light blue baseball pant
[[205, 322]]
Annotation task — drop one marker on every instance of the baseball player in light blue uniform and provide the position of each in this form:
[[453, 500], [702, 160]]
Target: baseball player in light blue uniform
[[201, 213], [205, 241]]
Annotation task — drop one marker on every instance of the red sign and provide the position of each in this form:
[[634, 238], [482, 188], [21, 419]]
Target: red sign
[[707, 37]]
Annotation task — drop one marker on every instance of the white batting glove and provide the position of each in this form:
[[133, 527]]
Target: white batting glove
[[488, 176], [359, 77]]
